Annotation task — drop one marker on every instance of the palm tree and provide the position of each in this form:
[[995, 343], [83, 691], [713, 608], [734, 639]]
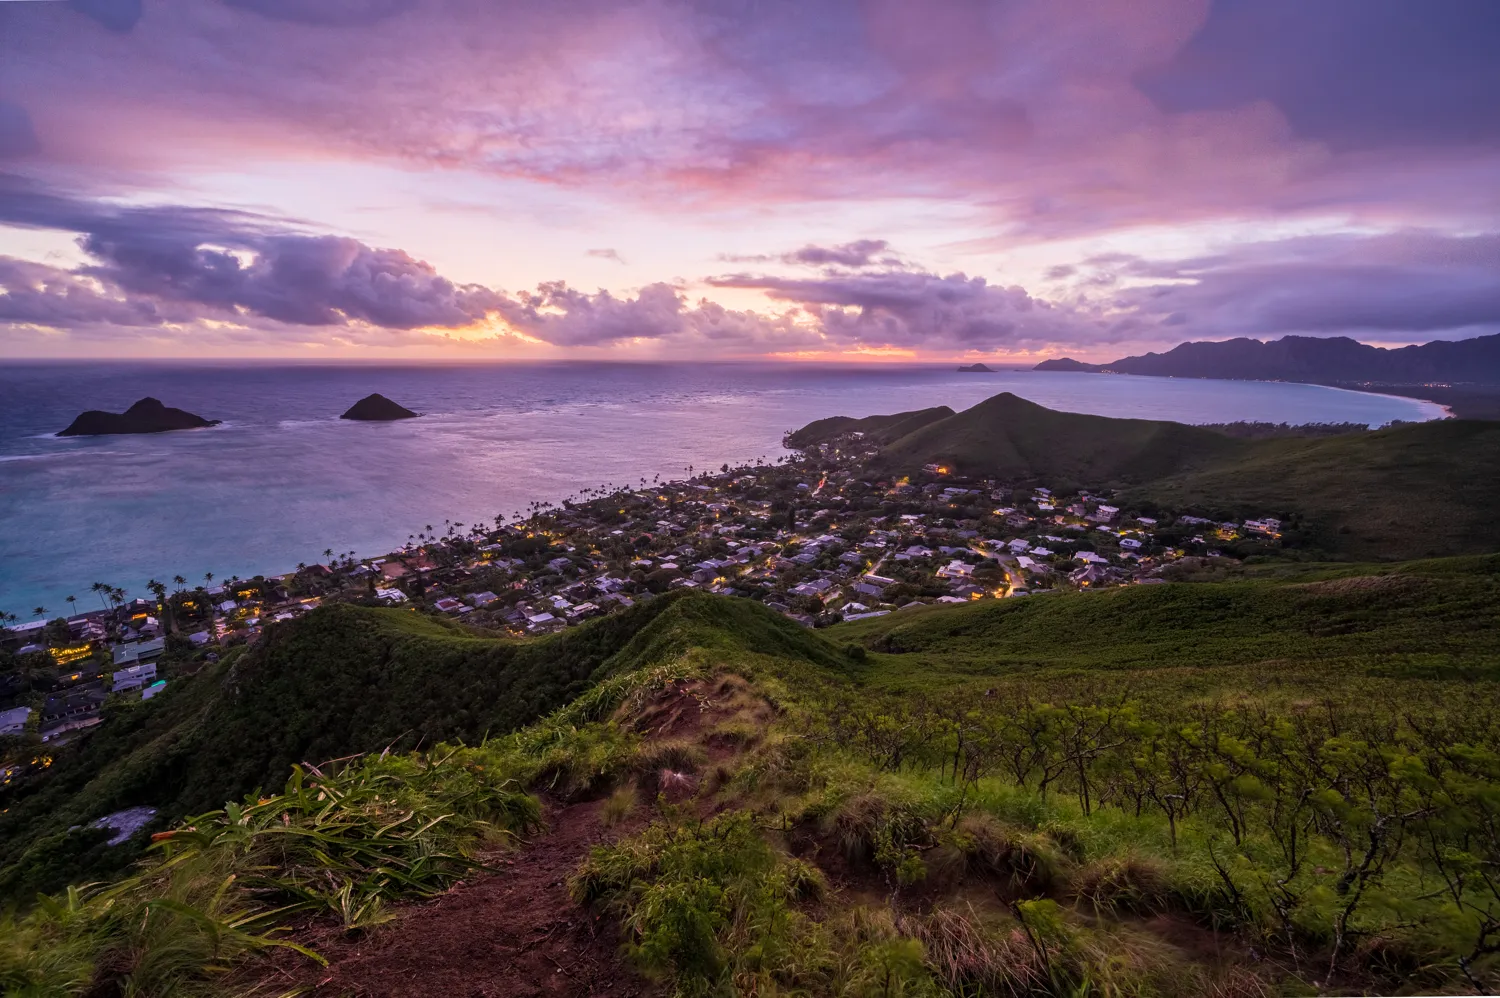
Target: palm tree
[[71, 600], [208, 578], [178, 580], [40, 611], [100, 588], [328, 553]]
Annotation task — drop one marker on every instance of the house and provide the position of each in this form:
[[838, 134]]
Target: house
[[450, 605], [133, 678], [200, 638], [866, 616], [865, 589], [955, 570], [390, 595], [1130, 544], [483, 599], [1091, 575], [139, 651], [1090, 558], [1018, 545], [13, 721], [153, 689], [878, 580]]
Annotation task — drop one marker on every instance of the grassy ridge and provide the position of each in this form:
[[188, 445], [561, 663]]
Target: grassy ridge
[[343, 680], [1315, 632]]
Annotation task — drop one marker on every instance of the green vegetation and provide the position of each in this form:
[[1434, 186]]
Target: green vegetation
[[881, 429], [344, 843], [1302, 632], [1416, 491], [343, 680], [1126, 792], [1413, 491]]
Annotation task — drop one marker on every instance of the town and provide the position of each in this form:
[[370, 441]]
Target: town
[[817, 536]]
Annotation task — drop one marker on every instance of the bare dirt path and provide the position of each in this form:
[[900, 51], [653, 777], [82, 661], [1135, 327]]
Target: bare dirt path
[[511, 934]]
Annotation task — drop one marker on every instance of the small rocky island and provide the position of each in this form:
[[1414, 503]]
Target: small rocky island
[[977, 369], [148, 415], [378, 409]]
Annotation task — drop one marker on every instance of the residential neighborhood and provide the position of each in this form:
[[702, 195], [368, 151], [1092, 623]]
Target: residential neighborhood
[[818, 537]]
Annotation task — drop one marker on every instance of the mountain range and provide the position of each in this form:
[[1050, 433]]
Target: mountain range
[[1313, 359]]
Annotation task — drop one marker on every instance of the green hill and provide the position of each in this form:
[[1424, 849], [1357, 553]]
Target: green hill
[[1413, 491], [1008, 436], [882, 429], [348, 679]]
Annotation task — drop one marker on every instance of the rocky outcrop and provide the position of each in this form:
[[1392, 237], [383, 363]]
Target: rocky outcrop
[[148, 415], [378, 409], [977, 369]]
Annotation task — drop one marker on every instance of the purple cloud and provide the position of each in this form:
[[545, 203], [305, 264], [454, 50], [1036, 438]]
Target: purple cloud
[[860, 253], [911, 309], [1400, 286], [17, 136]]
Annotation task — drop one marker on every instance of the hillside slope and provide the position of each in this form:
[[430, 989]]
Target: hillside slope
[[882, 429], [1416, 491], [347, 679], [1313, 631], [1068, 794]]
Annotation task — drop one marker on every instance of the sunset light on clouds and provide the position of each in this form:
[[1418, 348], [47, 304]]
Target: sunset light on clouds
[[825, 180]]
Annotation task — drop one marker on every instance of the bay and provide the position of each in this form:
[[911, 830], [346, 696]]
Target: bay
[[283, 478]]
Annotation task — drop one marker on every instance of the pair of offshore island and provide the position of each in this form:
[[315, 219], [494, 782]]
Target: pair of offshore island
[[151, 415]]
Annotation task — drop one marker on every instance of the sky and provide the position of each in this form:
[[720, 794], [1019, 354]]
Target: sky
[[884, 180]]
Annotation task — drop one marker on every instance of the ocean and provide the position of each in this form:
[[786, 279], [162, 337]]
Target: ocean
[[283, 478]]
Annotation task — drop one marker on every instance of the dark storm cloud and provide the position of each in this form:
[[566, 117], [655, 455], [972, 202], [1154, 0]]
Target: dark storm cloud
[[1358, 73]]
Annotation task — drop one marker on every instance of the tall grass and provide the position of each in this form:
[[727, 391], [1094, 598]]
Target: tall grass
[[340, 842]]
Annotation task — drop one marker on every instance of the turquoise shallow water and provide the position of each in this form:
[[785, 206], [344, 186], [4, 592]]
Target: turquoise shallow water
[[283, 478]]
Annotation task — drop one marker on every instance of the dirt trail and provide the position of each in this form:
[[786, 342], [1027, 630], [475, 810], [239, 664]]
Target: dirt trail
[[511, 934], [515, 933]]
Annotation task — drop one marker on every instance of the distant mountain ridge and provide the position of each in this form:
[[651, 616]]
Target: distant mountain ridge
[[1311, 359]]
